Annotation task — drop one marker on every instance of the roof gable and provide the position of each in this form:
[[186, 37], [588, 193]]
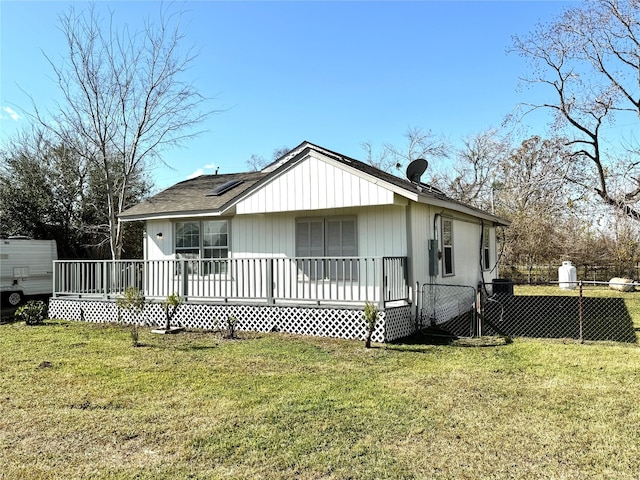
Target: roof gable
[[306, 178], [313, 182]]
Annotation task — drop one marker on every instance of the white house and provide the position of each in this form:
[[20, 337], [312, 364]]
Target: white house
[[299, 247]]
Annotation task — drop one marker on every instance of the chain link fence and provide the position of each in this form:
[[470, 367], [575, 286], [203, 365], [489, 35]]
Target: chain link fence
[[451, 308], [586, 311]]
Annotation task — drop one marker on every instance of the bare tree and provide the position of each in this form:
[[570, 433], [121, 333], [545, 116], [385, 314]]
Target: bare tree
[[419, 144], [475, 170], [124, 100], [532, 191], [589, 58], [258, 162]]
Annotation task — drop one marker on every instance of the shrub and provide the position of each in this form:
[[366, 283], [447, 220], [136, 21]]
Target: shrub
[[174, 300], [227, 328], [371, 316], [32, 312], [132, 300], [232, 322]]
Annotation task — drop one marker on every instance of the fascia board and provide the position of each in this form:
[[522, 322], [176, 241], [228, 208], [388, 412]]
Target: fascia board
[[436, 202], [170, 216]]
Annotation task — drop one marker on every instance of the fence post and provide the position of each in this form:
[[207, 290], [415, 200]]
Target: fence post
[[477, 314], [416, 299], [580, 310]]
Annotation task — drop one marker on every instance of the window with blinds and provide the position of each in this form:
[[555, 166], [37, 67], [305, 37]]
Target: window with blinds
[[333, 237]]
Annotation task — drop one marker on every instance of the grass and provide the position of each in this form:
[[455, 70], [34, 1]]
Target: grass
[[79, 401]]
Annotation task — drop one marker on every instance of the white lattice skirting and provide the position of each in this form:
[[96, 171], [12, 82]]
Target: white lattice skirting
[[336, 322]]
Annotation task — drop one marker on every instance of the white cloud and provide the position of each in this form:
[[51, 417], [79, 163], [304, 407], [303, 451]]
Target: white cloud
[[203, 170], [14, 116], [195, 174]]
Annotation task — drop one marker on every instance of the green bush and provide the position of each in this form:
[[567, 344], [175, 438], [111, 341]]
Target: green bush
[[371, 317], [33, 312]]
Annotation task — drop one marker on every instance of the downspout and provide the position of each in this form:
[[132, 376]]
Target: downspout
[[484, 286], [433, 278]]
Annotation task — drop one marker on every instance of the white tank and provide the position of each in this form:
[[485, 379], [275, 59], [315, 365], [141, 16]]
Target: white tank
[[567, 276]]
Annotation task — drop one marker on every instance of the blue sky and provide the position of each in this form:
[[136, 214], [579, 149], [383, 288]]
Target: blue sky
[[334, 73]]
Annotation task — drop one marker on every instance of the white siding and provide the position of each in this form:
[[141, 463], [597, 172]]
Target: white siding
[[421, 225], [159, 248], [314, 184], [466, 253], [381, 232], [262, 236], [466, 247]]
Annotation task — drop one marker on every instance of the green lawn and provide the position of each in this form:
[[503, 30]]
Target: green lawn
[[79, 401]]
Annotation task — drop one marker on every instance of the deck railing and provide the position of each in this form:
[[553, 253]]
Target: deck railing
[[297, 280]]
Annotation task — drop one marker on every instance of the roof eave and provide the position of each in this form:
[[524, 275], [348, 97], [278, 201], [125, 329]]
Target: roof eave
[[467, 210], [169, 215]]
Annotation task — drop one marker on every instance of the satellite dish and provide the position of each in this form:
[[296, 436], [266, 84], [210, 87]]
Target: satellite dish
[[416, 169]]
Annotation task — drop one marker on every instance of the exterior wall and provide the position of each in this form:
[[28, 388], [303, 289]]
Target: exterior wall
[[421, 225], [159, 248], [466, 247], [316, 321], [381, 232], [467, 252], [314, 184]]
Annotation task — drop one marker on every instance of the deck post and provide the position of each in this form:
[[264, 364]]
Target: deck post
[[383, 285], [270, 281], [183, 270], [105, 279]]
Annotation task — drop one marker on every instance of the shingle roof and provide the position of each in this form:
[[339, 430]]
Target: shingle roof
[[193, 196], [423, 190], [190, 196]]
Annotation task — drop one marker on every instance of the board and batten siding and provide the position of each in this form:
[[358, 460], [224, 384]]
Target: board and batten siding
[[314, 184], [421, 220], [381, 232], [159, 248], [467, 252]]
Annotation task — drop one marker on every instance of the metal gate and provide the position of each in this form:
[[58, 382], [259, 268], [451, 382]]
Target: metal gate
[[452, 308]]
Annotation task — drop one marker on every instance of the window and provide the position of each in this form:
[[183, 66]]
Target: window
[[486, 264], [328, 237], [447, 246], [188, 240], [207, 240]]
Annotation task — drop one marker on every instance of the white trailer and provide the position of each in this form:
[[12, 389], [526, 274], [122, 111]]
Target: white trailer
[[26, 268]]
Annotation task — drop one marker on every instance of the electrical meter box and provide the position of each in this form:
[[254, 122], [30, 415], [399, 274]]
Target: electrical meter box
[[434, 261]]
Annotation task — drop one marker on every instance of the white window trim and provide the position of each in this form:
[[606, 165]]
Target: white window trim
[[451, 246], [486, 248], [353, 276], [201, 247], [324, 230]]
